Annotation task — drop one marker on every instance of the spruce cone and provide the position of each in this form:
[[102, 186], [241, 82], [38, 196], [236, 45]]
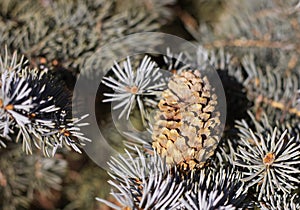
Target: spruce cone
[[186, 126]]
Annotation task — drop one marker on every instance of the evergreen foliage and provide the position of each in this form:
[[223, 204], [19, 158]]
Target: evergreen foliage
[[175, 160]]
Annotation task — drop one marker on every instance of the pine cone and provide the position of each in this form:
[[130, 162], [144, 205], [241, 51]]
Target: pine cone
[[187, 121]]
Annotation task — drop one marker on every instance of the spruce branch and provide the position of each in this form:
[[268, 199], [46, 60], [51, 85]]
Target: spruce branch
[[23, 177], [271, 89], [268, 158], [255, 26], [35, 109], [70, 31], [81, 187], [216, 189], [280, 202], [143, 181], [133, 85], [176, 62]]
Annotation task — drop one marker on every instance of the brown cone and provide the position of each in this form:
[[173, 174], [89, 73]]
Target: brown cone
[[186, 123]]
